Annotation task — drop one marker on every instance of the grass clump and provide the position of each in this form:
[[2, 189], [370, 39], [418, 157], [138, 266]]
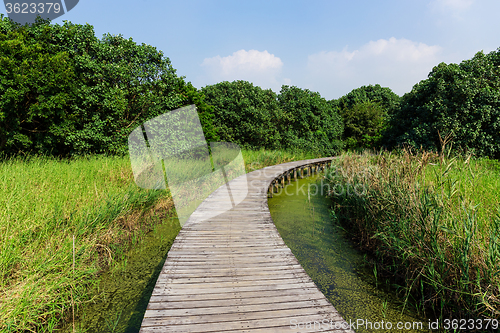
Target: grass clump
[[94, 198], [433, 223], [47, 202]]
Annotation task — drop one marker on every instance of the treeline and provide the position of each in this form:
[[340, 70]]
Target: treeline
[[65, 92], [256, 118]]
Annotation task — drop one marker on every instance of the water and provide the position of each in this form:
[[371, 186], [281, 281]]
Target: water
[[125, 290], [303, 221]]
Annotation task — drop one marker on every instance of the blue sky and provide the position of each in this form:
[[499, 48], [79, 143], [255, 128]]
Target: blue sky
[[330, 47]]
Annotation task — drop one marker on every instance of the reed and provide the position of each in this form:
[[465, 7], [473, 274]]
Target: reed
[[431, 220], [47, 201]]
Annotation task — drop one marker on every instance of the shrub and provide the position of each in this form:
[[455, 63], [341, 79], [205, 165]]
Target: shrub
[[461, 102], [65, 92], [245, 114]]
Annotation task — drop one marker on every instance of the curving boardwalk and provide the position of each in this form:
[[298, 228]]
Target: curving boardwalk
[[234, 273]]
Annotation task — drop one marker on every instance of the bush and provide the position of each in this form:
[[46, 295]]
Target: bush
[[245, 114], [65, 92], [458, 102]]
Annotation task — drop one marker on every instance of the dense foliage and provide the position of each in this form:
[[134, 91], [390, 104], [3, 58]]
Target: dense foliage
[[63, 91], [384, 96], [364, 123], [458, 102], [245, 114], [311, 123], [257, 118], [365, 112]]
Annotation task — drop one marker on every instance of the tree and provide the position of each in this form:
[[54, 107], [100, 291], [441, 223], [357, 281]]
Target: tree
[[245, 114], [366, 112], [64, 92], [311, 122], [459, 101], [364, 123], [383, 96]]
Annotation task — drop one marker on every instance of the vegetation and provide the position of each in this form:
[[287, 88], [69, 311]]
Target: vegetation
[[364, 123], [257, 118], [311, 123], [65, 92], [48, 201], [432, 222], [245, 114], [68, 102], [461, 102], [365, 112]]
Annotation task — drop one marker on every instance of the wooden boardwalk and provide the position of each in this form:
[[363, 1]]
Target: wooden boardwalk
[[234, 273]]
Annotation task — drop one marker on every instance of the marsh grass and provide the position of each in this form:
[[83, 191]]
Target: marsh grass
[[433, 223], [257, 159], [45, 202]]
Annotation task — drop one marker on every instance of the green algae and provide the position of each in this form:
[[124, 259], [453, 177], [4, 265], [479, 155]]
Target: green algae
[[303, 220], [302, 216], [124, 290]]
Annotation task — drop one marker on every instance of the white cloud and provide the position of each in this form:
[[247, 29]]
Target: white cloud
[[394, 63], [259, 67]]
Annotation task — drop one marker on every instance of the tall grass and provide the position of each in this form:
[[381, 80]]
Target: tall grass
[[45, 202], [432, 221], [257, 159]]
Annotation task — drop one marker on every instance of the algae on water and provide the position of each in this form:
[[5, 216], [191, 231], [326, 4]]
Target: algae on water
[[302, 216]]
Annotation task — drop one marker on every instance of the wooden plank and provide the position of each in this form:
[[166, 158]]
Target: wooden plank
[[284, 323], [158, 318], [233, 303], [234, 273], [160, 311]]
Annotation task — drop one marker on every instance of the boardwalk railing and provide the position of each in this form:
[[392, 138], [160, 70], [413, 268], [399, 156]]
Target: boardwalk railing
[[233, 272]]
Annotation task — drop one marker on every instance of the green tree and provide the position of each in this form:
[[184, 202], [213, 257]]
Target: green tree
[[63, 91], [364, 123], [460, 101], [311, 122], [245, 114], [383, 96], [366, 112], [36, 84]]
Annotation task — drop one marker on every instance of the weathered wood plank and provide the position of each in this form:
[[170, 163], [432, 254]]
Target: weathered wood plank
[[234, 273]]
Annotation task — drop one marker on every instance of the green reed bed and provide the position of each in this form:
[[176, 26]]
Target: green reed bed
[[432, 222], [46, 202]]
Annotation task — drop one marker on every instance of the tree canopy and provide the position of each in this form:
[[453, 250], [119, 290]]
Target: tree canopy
[[458, 101], [256, 118], [365, 112], [63, 91]]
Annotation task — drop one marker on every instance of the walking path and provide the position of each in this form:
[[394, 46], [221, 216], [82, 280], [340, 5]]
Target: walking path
[[234, 273]]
